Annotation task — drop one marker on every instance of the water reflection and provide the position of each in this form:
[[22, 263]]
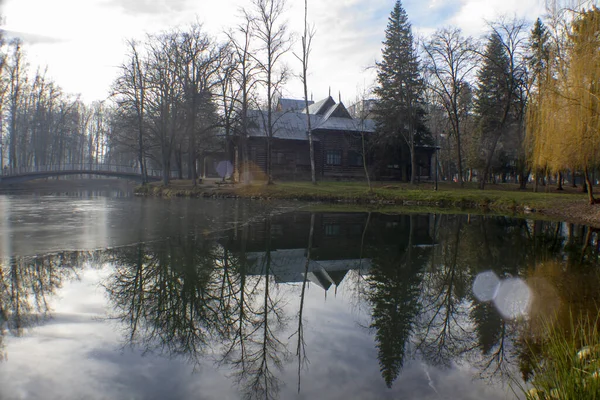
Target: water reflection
[[238, 297]]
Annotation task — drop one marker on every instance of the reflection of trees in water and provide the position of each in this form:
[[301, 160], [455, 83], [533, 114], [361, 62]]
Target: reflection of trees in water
[[566, 299], [263, 352], [394, 286], [191, 297], [183, 295], [27, 285], [443, 332], [301, 343], [170, 294], [422, 299]]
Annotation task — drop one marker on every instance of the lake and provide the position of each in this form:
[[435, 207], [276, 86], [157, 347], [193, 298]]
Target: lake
[[107, 296]]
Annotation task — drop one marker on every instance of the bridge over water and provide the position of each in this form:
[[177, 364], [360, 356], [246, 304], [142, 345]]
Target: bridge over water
[[10, 176]]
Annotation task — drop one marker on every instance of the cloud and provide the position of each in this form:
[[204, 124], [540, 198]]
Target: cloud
[[31, 38], [141, 7]]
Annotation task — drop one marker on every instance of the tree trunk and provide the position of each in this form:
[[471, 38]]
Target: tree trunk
[[413, 164], [236, 163], [459, 159], [590, 189], [269, 165], [523, 177], [559, 181], [364, 160]]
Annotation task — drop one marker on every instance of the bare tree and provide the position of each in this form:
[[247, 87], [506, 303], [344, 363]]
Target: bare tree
[[275, 42], [16, 71], [450, 63], [309, 33], [245, 70], [131, 85]]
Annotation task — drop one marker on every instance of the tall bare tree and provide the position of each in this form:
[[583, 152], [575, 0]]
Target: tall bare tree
[[16, 71], [309, 33], [245, 71], [274, 42], [451, 59]]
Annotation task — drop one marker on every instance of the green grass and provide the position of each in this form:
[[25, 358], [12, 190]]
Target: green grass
[[568, 364], [500, 197]]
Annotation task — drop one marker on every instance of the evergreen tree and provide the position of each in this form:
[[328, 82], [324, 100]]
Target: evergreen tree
[[399, 112], [492, 100], [539, 50]]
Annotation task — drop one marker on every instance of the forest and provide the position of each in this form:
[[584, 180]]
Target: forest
[[519, 104]]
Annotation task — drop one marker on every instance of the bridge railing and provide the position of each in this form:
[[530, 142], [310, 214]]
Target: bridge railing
[[83, 168]]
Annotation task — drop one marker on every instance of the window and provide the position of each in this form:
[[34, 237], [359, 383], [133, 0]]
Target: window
[[334, 157], [332, 230], [355, 158]]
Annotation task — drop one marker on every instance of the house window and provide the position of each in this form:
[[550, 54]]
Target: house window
[[334, 157], [332, 230], [355, 158]]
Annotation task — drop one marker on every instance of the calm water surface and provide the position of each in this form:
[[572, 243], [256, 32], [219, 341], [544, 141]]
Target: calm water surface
[[107, 297]]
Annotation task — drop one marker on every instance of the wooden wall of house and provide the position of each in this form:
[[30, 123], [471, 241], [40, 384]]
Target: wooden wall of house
[[346, 143], [290, 158]]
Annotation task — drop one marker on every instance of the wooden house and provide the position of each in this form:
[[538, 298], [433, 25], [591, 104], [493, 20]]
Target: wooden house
[[337, 138]]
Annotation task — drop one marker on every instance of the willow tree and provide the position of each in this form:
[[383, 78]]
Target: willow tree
[[565, 120]]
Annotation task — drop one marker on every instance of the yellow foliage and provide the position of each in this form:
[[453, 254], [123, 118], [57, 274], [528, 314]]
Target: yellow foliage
[[564, 114]]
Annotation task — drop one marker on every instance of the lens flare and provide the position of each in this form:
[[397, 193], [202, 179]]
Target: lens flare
[[513, 298]]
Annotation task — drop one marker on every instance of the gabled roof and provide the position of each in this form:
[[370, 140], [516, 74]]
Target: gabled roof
[[338, 111], [321, 107], [325, 115], [292, 104]]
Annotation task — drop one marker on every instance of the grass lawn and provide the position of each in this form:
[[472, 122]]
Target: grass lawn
[[499, 196]]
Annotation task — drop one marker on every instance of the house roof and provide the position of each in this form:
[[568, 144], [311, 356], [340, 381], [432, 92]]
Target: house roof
[[325, 115], [346, 124], [292, 104], [287, 125], [322, 106]]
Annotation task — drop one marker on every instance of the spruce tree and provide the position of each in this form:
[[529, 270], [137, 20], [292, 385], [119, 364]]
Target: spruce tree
[[399, 112], [493, 99], [539, 50]]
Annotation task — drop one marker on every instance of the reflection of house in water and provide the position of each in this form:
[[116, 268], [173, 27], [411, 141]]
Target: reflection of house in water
[[340, 243], [289, 266]]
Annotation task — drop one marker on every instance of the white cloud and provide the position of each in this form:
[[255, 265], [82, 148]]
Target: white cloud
[[89, 35]]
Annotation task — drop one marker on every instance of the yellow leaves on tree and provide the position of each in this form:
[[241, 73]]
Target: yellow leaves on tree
[[564, 114]]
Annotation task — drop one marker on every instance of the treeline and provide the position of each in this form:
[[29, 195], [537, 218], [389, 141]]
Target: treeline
[[522, 103], [40, 124], [182, 94], [179, 94]]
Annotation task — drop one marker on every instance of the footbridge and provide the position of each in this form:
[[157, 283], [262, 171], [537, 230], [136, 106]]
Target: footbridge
[[10, 176]]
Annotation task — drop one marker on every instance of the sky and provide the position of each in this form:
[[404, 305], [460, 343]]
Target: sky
[[82, 42]]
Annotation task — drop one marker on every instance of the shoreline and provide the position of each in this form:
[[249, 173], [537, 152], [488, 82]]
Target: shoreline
[[571, 207]]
